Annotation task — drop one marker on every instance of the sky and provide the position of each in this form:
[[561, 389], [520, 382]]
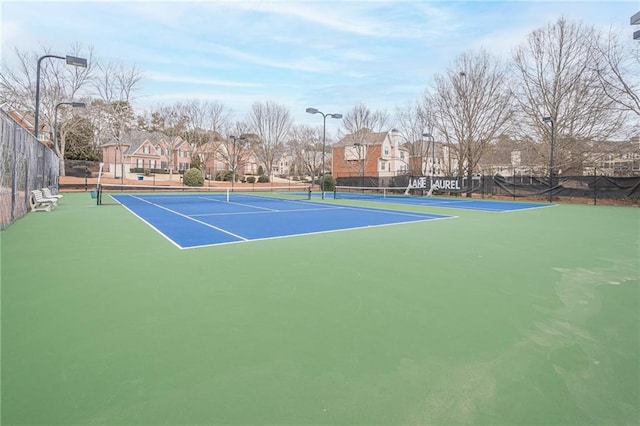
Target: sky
[[330, 55]]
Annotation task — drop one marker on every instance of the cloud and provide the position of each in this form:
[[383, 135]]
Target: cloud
[[170, 78]]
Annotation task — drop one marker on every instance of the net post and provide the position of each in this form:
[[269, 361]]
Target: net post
[[98, 194], [228, 194], [309, 193]]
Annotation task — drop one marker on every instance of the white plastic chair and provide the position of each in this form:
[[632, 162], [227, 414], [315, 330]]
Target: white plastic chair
[[40, 203], [47, 194]]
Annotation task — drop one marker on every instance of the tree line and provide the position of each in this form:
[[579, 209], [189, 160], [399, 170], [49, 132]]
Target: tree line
[[583, 80]]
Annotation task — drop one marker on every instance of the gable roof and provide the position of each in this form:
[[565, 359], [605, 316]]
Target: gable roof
[[136, 138], [365, 136]]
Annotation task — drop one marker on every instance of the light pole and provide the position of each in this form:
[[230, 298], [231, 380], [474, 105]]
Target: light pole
[[553, 137], [324, 141], [71, 60], [433, 156]]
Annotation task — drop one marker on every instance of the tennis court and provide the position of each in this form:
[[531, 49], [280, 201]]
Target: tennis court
[[396, 195], [531, 317], [205, 218]]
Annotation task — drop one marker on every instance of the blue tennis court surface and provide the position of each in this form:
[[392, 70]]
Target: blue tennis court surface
[[452, 203], [205, 220]]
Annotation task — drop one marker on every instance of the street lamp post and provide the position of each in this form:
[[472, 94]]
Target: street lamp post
[[324, 141], [71, 60], [553, 136], [433, 156]]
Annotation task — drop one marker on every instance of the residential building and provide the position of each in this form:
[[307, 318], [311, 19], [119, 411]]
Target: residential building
[[140, 151], [282, 166], [370, 154], [26, 120]]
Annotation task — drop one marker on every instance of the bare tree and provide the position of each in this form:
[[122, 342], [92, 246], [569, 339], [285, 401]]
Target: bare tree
[[58, 83], [359, 124], [556, 75], [271, 123], [617, 63], [70, 120], [472, 103], [306, 147], [196, 119], [216, 123], [361, 117], [17, 84], [236, 147], [115, 87], [413, 121], [217, 116]]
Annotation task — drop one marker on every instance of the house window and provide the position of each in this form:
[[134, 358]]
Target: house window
[[402, 155], [152, 164], [145, 149], [383, 166], [140, 163], [386, 150]]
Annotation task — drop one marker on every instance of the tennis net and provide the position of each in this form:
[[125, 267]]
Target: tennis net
[[367, 192], [164, 194]]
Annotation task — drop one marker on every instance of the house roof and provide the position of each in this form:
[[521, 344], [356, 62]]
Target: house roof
[[137, 138], [364, 136]]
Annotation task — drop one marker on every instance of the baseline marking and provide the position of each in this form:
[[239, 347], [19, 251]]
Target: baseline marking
[[317, 232]]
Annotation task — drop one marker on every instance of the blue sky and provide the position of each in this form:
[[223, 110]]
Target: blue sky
[[328, 55]]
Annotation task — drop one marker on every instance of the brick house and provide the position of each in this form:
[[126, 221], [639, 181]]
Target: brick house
[[141, 151], [367, 154]]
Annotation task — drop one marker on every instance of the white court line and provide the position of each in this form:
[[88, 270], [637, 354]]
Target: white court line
[[252, 206], [148, 223], [262, 212], [317, 232], [195, 220], [243, 239], [445, 203], [387, 211], [528, 208]]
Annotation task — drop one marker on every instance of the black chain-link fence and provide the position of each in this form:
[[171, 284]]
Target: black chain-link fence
[[25, 164], [586, 188]]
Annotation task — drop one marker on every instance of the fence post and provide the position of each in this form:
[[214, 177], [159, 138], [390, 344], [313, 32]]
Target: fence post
[[14, 173], [595, 186]]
